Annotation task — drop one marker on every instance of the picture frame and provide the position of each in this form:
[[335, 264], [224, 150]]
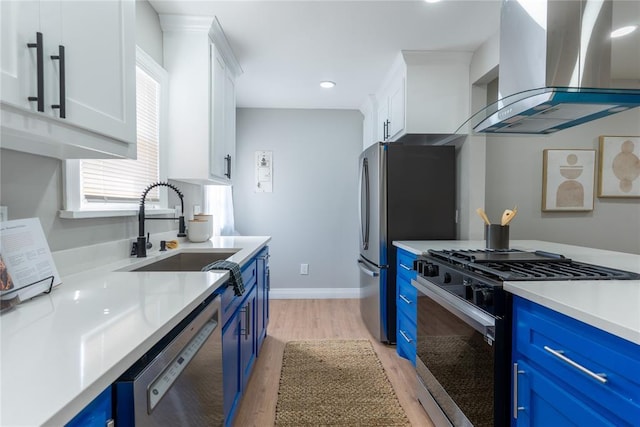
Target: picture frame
[[568, 180], [619, 166]]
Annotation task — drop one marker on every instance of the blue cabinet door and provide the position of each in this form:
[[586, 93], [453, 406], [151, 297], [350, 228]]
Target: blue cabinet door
[[96, 414], [542, 402], [262, 301], [571, 373], [231, 367], [247, 337], [406, 300]]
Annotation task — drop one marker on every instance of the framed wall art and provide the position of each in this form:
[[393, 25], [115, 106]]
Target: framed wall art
[[568, 178], [619, 169]]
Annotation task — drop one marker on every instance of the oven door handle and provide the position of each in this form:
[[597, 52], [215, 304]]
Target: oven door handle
[[478, 319]]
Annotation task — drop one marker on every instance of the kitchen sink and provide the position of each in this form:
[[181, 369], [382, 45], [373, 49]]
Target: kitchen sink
[[186, 261]]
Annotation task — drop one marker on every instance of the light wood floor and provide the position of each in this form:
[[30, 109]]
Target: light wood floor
[[318, 319]]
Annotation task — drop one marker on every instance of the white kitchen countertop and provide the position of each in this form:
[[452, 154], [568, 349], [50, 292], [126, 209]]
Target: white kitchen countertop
[[59, 351], [610, 305]]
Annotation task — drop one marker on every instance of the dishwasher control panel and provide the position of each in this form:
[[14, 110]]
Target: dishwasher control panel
[[163, 382]]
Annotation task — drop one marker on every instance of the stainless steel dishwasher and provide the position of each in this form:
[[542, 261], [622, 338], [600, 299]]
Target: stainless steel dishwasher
[[179, 381]]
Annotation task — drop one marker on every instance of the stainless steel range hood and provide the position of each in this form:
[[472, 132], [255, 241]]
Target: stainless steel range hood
[[556, 68]]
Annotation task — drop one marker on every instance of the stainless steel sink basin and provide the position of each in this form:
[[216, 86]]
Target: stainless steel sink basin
[[186, 261]]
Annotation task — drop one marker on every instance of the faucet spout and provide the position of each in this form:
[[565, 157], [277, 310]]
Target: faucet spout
[[141, 249]]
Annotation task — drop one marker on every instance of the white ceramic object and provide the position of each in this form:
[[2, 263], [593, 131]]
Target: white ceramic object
[[205, 217], [198, 231]]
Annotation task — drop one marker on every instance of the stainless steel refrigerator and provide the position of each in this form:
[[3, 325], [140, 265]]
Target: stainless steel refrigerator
[[407, 192]]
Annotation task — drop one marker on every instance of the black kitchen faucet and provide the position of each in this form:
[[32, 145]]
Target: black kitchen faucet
[[141, 246]]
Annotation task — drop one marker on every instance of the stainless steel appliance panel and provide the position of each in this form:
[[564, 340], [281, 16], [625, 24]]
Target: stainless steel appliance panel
[[182, 384], [372, 290], [455, 356], [407, 192], [372, 215]]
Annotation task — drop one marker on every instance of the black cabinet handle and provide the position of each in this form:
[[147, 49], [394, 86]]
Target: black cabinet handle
[[388, 134], [40, 66], [227, 159], [384, 130], [62, 105]]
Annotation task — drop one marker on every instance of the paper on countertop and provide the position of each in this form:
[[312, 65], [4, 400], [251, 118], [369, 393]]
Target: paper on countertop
[[27, 262]]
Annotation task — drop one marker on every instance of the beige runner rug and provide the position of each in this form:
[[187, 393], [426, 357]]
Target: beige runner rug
[[335, 383]]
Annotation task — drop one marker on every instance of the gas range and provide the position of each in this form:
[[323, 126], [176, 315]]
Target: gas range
[[474, 274], [463, 336]]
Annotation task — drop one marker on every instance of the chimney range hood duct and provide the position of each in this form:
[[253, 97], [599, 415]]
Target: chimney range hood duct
[[555, 68]]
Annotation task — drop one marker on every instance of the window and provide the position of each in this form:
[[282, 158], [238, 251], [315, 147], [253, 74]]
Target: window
[[108, 187]]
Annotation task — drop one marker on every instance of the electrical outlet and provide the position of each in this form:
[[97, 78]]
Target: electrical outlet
[[177, 213], [196, 209], [304, 269], [4, 214]]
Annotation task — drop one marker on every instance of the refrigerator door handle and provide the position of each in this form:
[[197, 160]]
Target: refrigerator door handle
[[364, 204], [366, 271]]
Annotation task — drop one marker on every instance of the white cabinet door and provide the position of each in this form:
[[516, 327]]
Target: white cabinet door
[[383, 119], [202, 107], [99, 42], [20, 22], [219, 163], [391, 113], [396, 108], [230, 122], [97, 88]]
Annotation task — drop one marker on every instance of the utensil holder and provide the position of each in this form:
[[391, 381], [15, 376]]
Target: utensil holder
[[496, 236]]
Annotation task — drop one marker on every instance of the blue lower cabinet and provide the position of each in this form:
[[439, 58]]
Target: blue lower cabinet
[[245, 321], [545, 402], [406, 300], [231, 367], [248, 341], [97, 414], [262, 296], [406, 341], [566, 372]]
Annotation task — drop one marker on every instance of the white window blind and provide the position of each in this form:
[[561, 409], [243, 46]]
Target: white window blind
[[123, 181]]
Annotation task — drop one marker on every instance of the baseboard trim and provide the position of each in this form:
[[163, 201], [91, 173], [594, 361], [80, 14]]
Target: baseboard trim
[[314, 293]]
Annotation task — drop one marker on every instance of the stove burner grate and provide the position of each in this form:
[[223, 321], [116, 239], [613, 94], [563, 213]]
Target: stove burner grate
[[515, 265]]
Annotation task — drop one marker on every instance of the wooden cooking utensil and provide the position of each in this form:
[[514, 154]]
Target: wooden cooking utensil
[[483, 215], [508, 215]]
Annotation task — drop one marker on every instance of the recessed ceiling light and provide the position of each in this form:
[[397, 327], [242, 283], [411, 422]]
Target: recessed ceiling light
[[623, 31], [327, 84], [432, 1]]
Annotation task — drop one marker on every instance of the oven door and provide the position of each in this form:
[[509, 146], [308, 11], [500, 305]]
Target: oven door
[[455, 358]]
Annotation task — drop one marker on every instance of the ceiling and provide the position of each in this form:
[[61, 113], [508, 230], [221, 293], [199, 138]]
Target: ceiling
[[286, 48]]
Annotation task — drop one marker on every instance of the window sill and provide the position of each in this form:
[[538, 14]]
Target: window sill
[[107, 213]]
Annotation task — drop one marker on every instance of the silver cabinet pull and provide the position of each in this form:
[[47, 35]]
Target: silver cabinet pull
[[558, 353], [405, 267], [516, 408], [247, 314], [405, 299], [405, 336]]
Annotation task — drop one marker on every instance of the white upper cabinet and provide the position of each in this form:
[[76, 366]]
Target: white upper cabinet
[[202, 71], [423, 93], [68, 78]]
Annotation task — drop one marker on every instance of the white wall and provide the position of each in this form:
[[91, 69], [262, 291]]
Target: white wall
[[31, 186], [514, 177], [312, 213]]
